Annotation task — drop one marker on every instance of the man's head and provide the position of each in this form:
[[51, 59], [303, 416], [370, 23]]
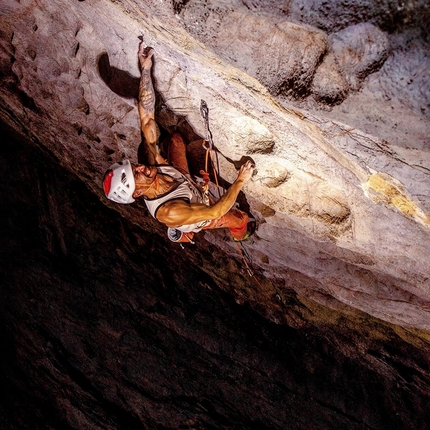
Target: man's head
[[144, 178], [118, 182], [124, 182]]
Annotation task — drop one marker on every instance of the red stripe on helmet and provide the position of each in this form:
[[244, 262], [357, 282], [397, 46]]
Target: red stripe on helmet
[[107, 181]]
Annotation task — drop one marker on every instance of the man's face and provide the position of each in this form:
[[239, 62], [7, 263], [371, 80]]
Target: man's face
[[143, 177]]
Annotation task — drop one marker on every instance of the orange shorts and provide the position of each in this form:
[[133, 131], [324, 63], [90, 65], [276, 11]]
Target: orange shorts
[[235, 220]]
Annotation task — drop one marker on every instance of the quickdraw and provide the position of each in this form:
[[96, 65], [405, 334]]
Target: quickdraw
[[208, 145]]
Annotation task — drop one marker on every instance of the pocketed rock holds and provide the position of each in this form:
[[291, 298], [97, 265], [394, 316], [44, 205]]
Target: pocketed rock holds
[[359, 50]]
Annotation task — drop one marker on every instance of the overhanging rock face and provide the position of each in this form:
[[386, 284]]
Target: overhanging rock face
[[342, 209]]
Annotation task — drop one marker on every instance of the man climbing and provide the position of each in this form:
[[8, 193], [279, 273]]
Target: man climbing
[[171, 195]]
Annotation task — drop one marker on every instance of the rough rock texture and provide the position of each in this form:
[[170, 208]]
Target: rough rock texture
[[359, 50], [332, 15], [397, 97], [341, 251], [283, 56]]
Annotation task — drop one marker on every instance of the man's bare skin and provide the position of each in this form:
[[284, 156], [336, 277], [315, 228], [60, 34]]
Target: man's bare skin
[[173, 213], [146, 106], [177, 212]]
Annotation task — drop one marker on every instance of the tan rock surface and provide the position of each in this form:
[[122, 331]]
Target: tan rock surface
[[340, 206]]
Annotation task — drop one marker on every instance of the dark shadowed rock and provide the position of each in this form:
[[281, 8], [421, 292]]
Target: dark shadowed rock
[[332, 15], [106, 324]]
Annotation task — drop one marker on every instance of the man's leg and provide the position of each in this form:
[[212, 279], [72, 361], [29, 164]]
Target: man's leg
[[235, 220], [146, 105], [177, 153]]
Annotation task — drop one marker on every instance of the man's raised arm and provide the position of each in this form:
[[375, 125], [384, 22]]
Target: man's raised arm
[[146, 106]]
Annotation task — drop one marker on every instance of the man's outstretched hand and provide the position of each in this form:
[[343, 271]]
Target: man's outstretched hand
[[246, 172], [145, 54]]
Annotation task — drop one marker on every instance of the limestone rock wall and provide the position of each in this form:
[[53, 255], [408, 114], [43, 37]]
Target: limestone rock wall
[[342, 207]]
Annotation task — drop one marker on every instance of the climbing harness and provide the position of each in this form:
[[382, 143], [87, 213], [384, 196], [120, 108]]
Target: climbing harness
[[174, 234]]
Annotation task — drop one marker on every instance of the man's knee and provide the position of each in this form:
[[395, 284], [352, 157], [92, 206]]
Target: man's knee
[[177, 150], [239, 215]]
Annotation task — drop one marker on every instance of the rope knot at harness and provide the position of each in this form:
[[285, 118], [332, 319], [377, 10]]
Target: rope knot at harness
[[206, 179]]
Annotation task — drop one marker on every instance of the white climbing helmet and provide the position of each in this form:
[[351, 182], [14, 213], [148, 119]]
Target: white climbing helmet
[[118, 182]]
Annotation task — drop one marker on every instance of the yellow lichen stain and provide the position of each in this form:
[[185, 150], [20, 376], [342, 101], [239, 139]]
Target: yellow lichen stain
[[394, 195]]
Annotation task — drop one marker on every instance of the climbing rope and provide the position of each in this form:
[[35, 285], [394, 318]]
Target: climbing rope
[[208, 145]]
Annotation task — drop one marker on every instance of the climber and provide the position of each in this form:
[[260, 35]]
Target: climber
[[171, 195]]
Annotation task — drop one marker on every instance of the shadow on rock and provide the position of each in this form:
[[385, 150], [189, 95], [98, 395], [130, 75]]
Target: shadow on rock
[[119, 81]]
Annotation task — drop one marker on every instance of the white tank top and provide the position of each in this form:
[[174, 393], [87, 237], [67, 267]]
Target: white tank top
[[185, 190]]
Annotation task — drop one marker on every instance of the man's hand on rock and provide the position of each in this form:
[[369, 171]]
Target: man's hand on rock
[[246, 171], [145, 56]]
